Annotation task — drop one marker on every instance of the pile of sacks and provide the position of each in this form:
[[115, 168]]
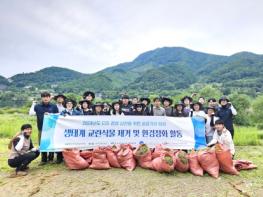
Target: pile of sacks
[[210, 160]]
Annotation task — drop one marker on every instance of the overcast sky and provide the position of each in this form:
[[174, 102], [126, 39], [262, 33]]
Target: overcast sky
[[90, 35]]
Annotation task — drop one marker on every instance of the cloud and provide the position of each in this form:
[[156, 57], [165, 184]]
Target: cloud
[[90, 35]]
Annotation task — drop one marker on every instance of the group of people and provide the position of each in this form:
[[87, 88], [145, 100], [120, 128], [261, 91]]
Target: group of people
[[218, 118]]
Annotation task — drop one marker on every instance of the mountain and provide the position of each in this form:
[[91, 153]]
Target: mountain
[[167, 69], [3, 83], [45, 77]]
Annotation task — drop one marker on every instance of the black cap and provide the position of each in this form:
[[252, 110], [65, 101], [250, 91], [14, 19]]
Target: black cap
[[223, 98], [87, 93], [167, 99], [125, 96], [84, 101], [60, 95], [187, 97], [179, 103], [70, 101], [145, 99], [137, 105], [157, 98]]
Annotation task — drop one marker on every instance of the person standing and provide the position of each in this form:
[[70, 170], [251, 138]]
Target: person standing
[[210, 124], [126, 107], [167, 105], [226, 112], [179, 110], [44, 108], [157, 109], [60, 98]]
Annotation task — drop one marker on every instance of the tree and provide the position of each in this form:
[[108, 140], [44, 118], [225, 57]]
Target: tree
[[257, 107], [241, 102]]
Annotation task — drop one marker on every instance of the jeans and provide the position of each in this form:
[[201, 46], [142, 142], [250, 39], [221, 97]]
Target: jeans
[[21, 162]]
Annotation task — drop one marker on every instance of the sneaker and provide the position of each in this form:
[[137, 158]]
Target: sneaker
[[21, 173]]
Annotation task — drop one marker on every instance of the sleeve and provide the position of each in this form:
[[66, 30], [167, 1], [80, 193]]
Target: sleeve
[[228, 139], [18, 143], [31, 145], [233, 110], [214, 140], [32, 111], [55, 109]]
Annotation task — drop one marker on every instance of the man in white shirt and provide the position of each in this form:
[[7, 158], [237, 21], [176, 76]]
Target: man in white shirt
[[222, 136]]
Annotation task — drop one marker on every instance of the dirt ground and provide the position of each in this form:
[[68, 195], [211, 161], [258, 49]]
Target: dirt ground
[[117, 182], [56, 180]]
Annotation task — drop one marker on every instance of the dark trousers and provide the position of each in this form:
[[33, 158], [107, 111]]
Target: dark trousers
[[45, 155], [21, 162], [48, 156], [231, 132]]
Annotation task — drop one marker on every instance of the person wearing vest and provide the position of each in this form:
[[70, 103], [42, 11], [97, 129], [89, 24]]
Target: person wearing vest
[[44, 108], [22, 151]]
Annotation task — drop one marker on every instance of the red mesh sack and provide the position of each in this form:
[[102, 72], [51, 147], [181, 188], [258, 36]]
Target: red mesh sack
[[194, 165], [144, 156], [125, 157], [87, 155], [208, 161], [99, 159], [111, 153], [73, 159], [243, 165], [182, 164], [164, 163], [224, 158]]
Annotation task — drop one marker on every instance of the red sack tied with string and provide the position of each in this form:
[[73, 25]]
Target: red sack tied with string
[[99, 159], [143, 155], [73, 159], [182, 164], [194, 165], [125, 157], [208, 161], [224, 158]]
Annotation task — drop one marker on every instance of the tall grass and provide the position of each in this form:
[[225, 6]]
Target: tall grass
[[10, 124], [247, 136]]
